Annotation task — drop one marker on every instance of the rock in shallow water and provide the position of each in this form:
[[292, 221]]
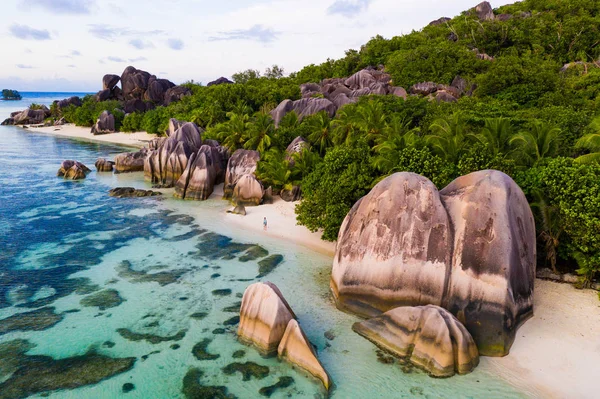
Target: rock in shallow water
[[470, 250], [72, 170], [130, 161], [103, 165], [429, 337], [129, 192]]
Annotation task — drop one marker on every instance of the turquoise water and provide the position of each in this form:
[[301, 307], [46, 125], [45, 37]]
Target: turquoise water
[[62, 243]]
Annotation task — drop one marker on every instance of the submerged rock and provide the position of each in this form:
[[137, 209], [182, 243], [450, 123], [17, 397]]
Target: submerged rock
[[248, 370], [268, 264], [103, 300], [264, 316], [200, 351], [193, 389], [129, 192], [72, 170], [36, 320], [282, 383], [296, 349], [151, 338], [471, 251], [103, 165], [429, 337]]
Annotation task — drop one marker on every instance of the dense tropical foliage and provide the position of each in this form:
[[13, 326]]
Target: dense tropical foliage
[[11, 95], [532, 112]]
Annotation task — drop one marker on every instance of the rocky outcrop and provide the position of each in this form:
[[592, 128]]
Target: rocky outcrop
[[72, 170], [242, 162], [248, 191], [105, 124], [130, 192], [135, 105], [295, 147], [424, 88], [74, 101], [429, 337], [8, 122], [198, 180], [174, 125], [264, 316], [141, 85], [470, 250], [110, 81], [176, 93], [166, 164], [484, 11], [130, 161], [297, 349], [31, 116], [303, 107], [221, 81], [104, 165], [440, 21], [291, 195]]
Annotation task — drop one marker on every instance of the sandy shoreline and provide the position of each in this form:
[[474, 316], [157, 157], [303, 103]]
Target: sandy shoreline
[[556, 353], [136, 140]]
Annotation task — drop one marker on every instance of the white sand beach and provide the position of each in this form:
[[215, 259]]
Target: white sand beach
[[137, 139], [556, 353]]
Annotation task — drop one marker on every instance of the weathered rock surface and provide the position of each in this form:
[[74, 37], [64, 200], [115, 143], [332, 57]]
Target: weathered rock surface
[[238, 210], [222, 80], [248, 191], [166, 164], [141, 85], [110, 81], [242, 162], [429, 337], [129, 192], [198, 180], [75, 101], [264, 316], [440, 21], [493, 265], [291, 195], [484, 11], [104, 124], [130, 161], [72, 170], [470, 250], [297, 349], [30, 116], [104, 165]]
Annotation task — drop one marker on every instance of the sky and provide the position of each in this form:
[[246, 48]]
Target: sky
[[68, 45]]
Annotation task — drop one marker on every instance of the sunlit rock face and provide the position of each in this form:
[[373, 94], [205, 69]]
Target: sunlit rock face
[[248, 191], [130, 161], [393, 248], [469, 249], [72, 170], [198, 180], [242, 162], [264, 316], [297, 349], [429, 337]]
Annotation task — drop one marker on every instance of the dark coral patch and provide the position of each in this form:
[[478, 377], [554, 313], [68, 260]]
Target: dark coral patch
[[36, 320], [103, 300], [248, 370], [283, 382], [193, 389], [268, 264], [200, 350], [152, 338]]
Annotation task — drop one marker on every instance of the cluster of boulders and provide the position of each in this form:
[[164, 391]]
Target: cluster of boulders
[[221, 81], [28, 116], [105, 124], [140, 91], [72, 170], [268, 322], [241, 184], [469, 249]]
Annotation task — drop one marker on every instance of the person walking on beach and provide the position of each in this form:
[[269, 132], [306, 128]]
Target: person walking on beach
[[265, 223]]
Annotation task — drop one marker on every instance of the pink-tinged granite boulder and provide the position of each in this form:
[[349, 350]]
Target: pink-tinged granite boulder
[[429, 337], [72, 170], [248, 191], [297, 349], [130, 161], [242, 162], [470, 249], [198, 180], [393, 248], [492, 273], [484, 11], [104, 165], [105, 124], [264, 316]]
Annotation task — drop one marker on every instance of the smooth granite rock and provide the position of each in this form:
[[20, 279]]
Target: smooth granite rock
[[248, 191], [72, 170], [264, 316], [242, 162], [130, 161], [429, 337], [104, 124], [104, 165]]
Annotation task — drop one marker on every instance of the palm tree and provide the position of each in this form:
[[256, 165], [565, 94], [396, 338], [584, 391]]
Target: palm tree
[[496, 135], [260, 133], [304, 163], [396, 137], [370, 119], [449, 138], [540, 141], [590, 142], [233, 132], [550, 227], [273, 170], [345, 130], [321, 136], [241, 108]]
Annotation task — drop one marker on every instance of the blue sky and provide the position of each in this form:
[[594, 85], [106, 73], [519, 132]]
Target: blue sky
[[68, 45]]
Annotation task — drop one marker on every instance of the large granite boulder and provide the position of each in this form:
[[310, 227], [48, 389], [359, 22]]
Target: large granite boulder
[[198, 180], [221, 81], [130, 161], [103, 95], [174, 125], [176, 93], [104, 165], [303, 107], [72, 170], [8, 122], [134, 105], [292, 195], [134, 83], [166, 164], [440, 21], [248, 191], [75, 101], [297, 349], [157, 89], [110, 81], [393, 248], [471, 250], [494, 258], [398, 92], [424, 88], [429, 337], [31, 116], [105, 124], [242, 162], [484, 11], [264, 317]]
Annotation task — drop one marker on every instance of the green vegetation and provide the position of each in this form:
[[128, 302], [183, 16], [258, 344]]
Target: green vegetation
[[531, 110], [11, 95], [90, 111]]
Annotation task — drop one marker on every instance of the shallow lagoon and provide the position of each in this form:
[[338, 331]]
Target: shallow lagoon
[[178, 281]]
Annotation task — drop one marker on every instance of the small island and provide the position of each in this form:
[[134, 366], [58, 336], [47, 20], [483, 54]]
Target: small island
[[10, 95]]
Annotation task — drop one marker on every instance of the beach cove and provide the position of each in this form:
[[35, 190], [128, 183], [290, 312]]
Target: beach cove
[[177, 229]]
